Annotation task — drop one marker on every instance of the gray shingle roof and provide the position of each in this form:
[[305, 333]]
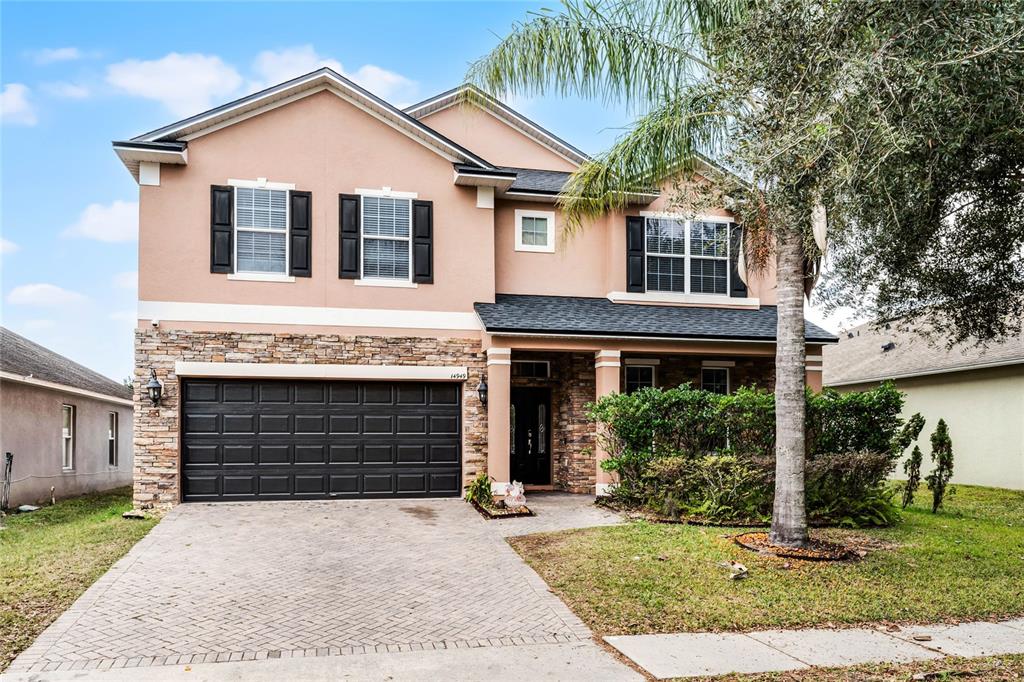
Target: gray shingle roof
[[583, 316], [20, 356], [858, 357], [535, 180]]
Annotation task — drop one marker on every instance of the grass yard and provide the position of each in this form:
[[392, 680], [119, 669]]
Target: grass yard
[[990, 669], [49, 557], [964, 563]]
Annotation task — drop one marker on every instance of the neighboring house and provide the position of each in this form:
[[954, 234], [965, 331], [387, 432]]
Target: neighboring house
[[67, 426], [979, 391], [330, 286]]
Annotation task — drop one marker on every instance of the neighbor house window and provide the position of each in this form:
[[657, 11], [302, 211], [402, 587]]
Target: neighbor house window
[[639, 376], [112, 439], [535, 231], [687, 256], [67, 436], [715, 379], [387, 226], [261, 230]]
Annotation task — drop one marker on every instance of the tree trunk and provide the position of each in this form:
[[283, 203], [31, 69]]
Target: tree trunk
[[789, 518]]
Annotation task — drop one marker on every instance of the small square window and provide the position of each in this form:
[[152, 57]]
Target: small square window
[[715, 379], [639, 376], [535, 231]]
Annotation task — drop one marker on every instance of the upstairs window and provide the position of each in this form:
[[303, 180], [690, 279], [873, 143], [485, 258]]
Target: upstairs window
[[535, 231], [386, 230], [261, 230], [687, 256]]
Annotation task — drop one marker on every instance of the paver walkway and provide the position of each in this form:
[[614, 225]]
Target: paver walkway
[[696, 654], [265, 580]]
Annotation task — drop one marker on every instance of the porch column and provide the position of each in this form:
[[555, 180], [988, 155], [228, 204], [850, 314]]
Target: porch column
[[499, 397], [607, 367]]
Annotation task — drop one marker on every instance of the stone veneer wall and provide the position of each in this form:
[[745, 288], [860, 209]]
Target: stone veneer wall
[[679, 369], [157, 444], [572, 384]]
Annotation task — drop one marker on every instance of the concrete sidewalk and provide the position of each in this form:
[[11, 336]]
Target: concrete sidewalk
[[696, 654]]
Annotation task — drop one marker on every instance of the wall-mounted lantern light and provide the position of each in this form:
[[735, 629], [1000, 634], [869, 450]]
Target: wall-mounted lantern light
[[154, 388], [481, 390]]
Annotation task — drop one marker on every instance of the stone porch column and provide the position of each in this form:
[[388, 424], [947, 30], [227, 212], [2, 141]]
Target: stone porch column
[[607, 368], [499, 400]]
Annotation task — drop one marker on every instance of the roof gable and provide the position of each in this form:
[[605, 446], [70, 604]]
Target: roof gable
[[323, 79], [472, 95]]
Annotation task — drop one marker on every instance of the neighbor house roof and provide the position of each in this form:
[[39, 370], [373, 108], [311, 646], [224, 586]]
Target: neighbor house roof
[[871, 353], [141, 147], [583, 316], [503, 112], [28, 362]]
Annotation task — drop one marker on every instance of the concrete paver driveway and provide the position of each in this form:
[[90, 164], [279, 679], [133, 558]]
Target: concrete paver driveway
[[263, 580]]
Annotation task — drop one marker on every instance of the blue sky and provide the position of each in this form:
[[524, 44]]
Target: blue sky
[[77, 75]]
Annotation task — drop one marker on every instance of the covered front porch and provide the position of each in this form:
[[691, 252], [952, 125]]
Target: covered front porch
[[538, 390]]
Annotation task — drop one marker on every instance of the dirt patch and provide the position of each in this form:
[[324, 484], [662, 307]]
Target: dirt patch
[[817, 549]]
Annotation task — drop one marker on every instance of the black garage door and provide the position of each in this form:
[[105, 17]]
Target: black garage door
[[268, 440]]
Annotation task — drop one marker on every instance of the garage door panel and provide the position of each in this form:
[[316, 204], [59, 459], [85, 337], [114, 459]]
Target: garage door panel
[[252, 440]]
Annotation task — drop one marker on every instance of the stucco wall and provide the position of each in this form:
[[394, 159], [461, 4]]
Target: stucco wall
[[326, 146], [30, 427], [985, 413]]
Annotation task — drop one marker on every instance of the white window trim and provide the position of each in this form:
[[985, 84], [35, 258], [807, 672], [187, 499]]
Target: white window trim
[[675, 297], [250, 276], [547, 215], [69, 439], [728, 377], [113, 437], [688, 296], [259, 277], [635, 365], [384, 193]]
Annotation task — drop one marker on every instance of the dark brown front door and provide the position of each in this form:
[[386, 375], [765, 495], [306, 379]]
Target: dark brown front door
[[531, 435]]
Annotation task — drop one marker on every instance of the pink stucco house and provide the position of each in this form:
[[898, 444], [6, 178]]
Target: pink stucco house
[[342, 299]]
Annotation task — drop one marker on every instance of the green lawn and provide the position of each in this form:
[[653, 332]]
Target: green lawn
[[49, 557], [964, 563]]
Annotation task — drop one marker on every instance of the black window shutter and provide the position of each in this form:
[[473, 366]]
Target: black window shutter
[[737, 289], [634, 253], [301, 234], [348, 236], [423, 242], [221, 228]]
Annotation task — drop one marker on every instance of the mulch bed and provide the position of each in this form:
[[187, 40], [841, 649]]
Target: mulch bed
[[819, 550], [500, 512]]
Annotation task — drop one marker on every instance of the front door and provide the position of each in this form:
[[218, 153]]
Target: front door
[[531, 435]]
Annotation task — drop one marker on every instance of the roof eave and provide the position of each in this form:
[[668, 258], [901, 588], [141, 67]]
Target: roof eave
[[134, 153]]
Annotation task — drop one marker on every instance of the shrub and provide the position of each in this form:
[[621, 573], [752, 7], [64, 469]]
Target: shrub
[[942, 455], [912, 468], [687, 451], [479, 491]]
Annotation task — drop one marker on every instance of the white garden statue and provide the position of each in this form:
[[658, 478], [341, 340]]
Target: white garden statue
[[515, 499]]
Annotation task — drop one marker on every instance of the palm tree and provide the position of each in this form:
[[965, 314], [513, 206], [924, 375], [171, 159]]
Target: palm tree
[[663, 59]]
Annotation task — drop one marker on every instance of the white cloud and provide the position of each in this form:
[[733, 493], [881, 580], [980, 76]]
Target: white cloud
[[38, 325], [16, 106], [66, 90], [43, 294], [48, 55], [184, 83], [127, 280], [116, 222], [7, 246], [276, 66]]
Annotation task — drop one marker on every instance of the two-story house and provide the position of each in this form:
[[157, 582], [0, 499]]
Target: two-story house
[[345, 299]]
